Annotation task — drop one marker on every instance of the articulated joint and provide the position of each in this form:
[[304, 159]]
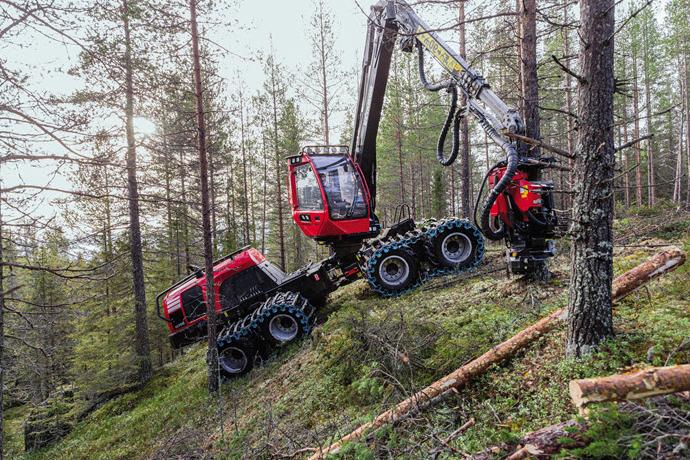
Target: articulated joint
[[513, 122], [474, 83]]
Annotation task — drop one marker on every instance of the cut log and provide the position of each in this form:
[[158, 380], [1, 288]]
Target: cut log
[[643, 384], [659, 264], [623, 285]]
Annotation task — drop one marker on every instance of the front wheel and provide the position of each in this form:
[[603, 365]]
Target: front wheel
[[285, 317]]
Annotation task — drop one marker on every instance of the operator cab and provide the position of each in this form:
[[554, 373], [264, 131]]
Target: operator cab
[[328, 197]]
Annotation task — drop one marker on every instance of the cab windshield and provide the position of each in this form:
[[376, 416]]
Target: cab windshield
[[342, 186]]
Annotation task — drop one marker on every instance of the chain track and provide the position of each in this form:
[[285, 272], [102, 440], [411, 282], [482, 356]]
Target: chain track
[[415, 241], [251, 324]]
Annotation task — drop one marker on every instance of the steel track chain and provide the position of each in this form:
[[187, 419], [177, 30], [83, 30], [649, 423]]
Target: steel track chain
[[250, 325], [408, 241]]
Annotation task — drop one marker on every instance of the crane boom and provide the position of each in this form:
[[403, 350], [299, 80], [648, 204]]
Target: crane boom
[[389, 19]]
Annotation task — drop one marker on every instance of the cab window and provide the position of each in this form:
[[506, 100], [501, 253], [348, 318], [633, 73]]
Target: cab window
[[342, 186], [308, 191]]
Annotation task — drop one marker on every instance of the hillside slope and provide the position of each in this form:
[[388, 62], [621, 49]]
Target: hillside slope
[[369, 353]]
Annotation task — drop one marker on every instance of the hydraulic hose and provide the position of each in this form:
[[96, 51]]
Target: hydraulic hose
[[485, 216], [511, 169], [452, 117]]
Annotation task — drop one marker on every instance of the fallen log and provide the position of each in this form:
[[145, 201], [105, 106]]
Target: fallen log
[[622, 285], [657, 265], [543, 443], [639, 385]]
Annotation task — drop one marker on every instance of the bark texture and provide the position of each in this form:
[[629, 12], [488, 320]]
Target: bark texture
[[142, 347], [211, 354], [589, 312], [528, 62], [440, 388], [2, 334], [643, 384], [661, 263]]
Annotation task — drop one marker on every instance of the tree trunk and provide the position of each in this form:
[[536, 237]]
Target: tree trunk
[[626, 162], [245, 187], [648, 109], [661, 263], [264, 194], [465, 177], [212, 197], [636, 130], [678, 177], [569, 108], [324, 80], [518, 50], [435, 392], [589, 310], [142, 347], [643, 384], [528, 63], [2, 332], [212, 352], [185, 220], [279, 169], [399, 151], [686, 96]]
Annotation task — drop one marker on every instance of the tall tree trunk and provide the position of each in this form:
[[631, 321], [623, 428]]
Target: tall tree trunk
[[648, 108], [518, 51], [569, 108], [678, 176], [528, 63], [245, 186], [324, 80], [590, 318], [141, 333], [626, 162], [686, 96], [399, 151], [636, 130], [279, 169], [465, 177], [174, 258], [2, 333], [264, 194], [212, 352], [212, 193], [185, 220]]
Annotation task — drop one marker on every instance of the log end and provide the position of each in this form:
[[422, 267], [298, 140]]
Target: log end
[[576, 393]]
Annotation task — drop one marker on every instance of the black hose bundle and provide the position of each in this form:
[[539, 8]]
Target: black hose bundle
[[453, 117], [484, 220]]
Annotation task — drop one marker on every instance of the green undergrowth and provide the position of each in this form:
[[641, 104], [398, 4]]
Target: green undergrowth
[[369, 353]]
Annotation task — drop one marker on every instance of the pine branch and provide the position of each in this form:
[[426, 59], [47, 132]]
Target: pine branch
[[567, 70]]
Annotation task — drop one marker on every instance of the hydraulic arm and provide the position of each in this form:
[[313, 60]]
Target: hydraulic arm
[[505, 213]]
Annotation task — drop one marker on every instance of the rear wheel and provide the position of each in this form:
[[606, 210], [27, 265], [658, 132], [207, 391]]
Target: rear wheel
[[453, 247], [236, 358], [397, 270]]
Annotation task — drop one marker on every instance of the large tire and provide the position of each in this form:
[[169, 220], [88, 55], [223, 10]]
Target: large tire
[[236, 358], [285, 318], [396, 270], [454, 246]]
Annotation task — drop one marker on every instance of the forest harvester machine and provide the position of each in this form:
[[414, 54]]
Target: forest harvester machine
[[333, 196]]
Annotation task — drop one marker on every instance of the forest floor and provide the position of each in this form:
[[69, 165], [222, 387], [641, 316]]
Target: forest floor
[[370, 353]]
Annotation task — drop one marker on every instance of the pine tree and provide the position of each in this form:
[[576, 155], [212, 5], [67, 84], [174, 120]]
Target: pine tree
[[589, 311]]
